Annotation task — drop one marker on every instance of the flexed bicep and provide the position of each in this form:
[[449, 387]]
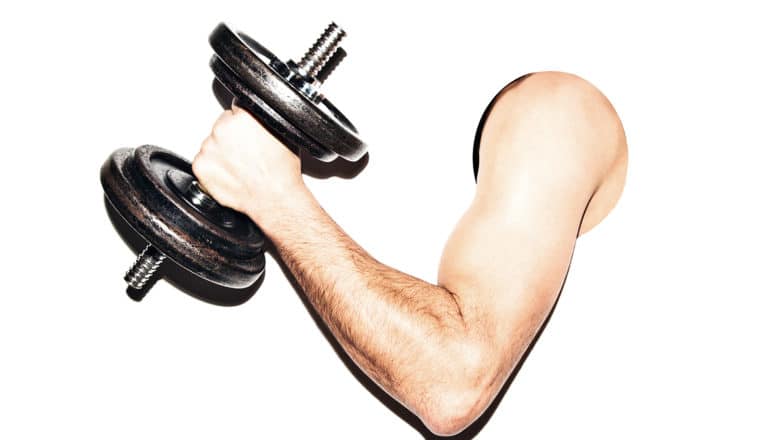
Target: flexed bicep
[[546, 145]]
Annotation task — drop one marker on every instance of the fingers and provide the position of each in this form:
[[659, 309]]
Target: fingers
[[214, 175], [221, 123], [205, 162], [198, 163], [211, 147], [232, 132], [225, 115]]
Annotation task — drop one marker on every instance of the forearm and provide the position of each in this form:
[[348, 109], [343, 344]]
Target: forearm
[[408, 335]]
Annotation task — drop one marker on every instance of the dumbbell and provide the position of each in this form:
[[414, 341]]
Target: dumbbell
[[156, 193]]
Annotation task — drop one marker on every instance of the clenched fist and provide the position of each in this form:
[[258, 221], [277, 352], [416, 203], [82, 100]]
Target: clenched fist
[[245, 168]]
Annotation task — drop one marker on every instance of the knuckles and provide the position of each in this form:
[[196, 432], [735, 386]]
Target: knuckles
[[206, 146], [199, 167], [230, 123], [204, 161]]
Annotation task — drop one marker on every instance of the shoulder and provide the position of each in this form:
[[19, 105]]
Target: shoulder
[[554, 135]]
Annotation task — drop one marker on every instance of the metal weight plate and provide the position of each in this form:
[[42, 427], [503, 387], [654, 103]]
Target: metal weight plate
[[156, 193], [282, 129], [248, 70]]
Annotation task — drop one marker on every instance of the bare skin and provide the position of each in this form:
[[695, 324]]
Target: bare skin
[[553, 164]]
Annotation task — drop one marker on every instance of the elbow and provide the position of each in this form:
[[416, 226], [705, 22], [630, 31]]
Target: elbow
[[452, 404], [449, 420], [451, 412]]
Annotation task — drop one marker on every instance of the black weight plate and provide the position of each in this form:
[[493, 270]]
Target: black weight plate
[[320, 122], [218, 244], [282, 129]]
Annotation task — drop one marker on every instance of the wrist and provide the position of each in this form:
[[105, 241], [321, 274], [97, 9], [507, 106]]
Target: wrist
[[286, 205]]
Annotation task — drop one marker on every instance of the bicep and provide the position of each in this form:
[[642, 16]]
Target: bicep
[[506, 268], [508, 256]]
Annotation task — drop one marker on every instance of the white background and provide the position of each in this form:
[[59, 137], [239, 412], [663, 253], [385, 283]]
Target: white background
[[662, 329]]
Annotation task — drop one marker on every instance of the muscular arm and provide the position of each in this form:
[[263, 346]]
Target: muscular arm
[[443, 350]]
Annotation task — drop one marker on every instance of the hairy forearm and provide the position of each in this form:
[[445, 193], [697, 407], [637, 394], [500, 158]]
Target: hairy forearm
[[410, 336]]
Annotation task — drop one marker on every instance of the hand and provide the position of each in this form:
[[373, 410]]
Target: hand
[[244, 167]]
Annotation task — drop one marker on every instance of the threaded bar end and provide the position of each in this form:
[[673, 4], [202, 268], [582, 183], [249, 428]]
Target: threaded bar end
[[331, 64], [140, 276], [319, 53]]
